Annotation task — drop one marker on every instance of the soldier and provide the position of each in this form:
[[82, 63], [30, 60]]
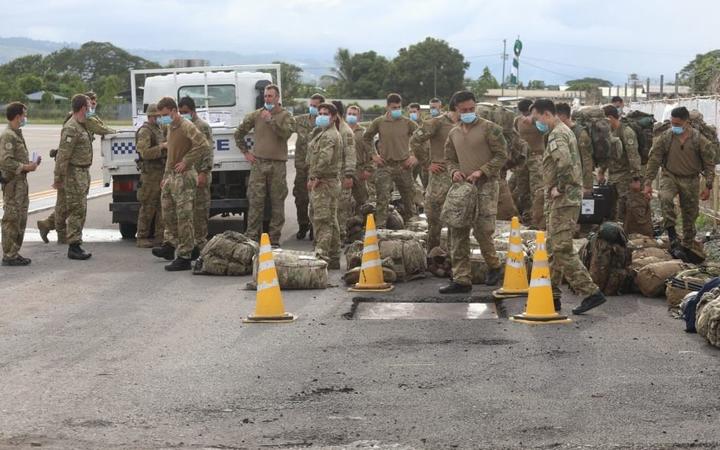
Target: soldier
[[273, 127], [624, 165], [186, 146], [619, 104], [72, 173], [152, 154], [15, 164], [529, 177], [684, 154], [436, 130], [394, 160], [584, 145], [324, 161], [421, 152], [562, 177], [364, 166], [435, 107], [203, 197], [304, 124], [475, 152], [347, 170]]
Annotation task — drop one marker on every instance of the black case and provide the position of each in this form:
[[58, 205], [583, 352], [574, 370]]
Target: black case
[[604, 198]]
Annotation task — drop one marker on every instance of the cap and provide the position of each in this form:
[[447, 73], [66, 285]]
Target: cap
[[152, 110]]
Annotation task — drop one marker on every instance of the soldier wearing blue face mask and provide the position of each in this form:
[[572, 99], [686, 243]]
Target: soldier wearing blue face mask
[[422, 151]]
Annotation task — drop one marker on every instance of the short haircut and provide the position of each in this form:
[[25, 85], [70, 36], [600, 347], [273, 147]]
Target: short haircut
[[329, 106], [14, 109], [339, 107], [451, 104], [617, 99], [435, 100], [318, 97], [524, 105], [563, 108], [78, 102], [611, 111], [355, 107], [91, 95], [273, 87], [393, 98], [414, 105], [463, 96], [187, 101], [680, 112], [166, 102], [544, 105]]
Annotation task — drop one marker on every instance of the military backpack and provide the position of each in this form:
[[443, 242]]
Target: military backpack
[[505, 118], [642, 124], [593, 120]]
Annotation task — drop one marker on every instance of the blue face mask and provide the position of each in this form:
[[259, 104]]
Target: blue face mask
[[434, 112], [396, 113], [164, 120], [313, 111], [677, 130], [322, 121], [89, 113], [23, 122], [352, 120], [541, 127], [269, 106], [413, 116], [468, 117], [186, 116]]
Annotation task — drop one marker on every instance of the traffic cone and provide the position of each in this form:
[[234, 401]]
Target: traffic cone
[[515, 283], [540, 307], [371, 274], [269, 306]]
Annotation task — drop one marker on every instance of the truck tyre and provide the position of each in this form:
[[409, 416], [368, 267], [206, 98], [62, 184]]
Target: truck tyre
[[128, 230]]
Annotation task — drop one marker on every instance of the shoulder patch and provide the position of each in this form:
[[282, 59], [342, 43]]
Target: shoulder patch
[[8, 146]]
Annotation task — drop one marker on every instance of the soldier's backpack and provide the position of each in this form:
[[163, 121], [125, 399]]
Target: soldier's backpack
[[708, 317], [682, 283], [229, 253], [592, 119], [607, 258], [297, 270], [458, 211], [505, 118], [651, 278], [642, 124], [709, 131]]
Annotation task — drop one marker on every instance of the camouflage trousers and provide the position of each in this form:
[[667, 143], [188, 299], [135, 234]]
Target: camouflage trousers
[[148, 195], [203, 197], [437, 189], [385, 175], [483, 229], [324, 205], [564, 260], [350, 201], [529, 196], [57, 220], [688, 191], [14, 219], [621, 186], [300, 192], [178, 210], [421, 168], [77, 186], [268, 178]]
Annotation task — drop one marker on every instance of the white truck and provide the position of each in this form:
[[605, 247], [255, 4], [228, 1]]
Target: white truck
[[223, 95]]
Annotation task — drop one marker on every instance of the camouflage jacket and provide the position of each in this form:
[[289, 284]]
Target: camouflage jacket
[[206, 162], [586, 150], [324, 154], [75, 148], [362, 153], [661, 147], [96, 126], [147, 142], [562, 167], [434, 131], [13, 153], [625, 156], [349, 160], [466, 158], [304, 125]]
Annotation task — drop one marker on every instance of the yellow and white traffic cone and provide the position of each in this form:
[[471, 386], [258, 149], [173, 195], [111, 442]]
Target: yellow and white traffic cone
[[269, 306], [371, 274], [540, 307], [515, 283]]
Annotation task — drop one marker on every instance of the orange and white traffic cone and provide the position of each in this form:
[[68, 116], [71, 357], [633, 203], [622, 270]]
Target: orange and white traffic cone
[[515, 283], [269, 306], [540, 307], [371, 274]]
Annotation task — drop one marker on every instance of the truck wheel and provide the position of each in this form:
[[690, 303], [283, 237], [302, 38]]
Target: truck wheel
[[128, 230]]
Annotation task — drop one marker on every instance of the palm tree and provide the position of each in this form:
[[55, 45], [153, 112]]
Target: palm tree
[[341, 74]]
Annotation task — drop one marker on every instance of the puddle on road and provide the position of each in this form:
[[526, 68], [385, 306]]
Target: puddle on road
[[89, 235], [425, 311]]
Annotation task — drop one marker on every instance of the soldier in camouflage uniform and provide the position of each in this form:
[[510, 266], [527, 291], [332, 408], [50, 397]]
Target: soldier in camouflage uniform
[[394, 159], [273, 127], [57, 219], [435, 132], [624, 164], [421, 150], [475, 152], [347, 169], [304, 125], [562, 177], [72, 172], [584, 145], [529, 188], [324, 161], [684, 154], [358, 195], [186, 145], [15, 164], [203, 197], [152, 154]]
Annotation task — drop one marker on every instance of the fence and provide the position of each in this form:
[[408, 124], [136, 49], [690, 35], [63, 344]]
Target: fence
[[709, 106]]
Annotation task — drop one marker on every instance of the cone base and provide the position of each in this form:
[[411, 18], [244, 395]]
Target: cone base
[[510, 293], [285, 318], [537, 320], [385, 287]]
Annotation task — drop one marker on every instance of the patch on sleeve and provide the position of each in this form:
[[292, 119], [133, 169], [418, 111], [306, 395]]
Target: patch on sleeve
[[8, 146], [68, 139]]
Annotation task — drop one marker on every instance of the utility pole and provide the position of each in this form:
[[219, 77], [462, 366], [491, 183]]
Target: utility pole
[[662, 82], [647, 92], [435, 80], [504, 58], [676, 84]]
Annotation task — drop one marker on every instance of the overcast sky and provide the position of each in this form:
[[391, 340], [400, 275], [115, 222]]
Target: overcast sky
[[562, 38]]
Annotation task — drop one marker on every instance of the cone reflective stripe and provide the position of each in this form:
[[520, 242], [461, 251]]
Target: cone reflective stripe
[[540, 307], [268, 298], [371, 274], [515, 282]]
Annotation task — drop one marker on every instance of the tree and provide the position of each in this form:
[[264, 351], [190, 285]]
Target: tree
[[702, 72], [109, 87], [536, 84], [587, 83], [483, 83], [359, 75], [427, 69], [30, 83], [291, 81], [47, 100]]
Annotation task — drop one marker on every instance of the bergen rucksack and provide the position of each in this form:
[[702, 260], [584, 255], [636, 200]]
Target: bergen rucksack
[[505, 118], [642, 124], [709, 131], [592, 119], [608, 259]]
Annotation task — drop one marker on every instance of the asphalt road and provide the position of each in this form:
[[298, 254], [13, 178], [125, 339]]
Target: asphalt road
[[116, 352]]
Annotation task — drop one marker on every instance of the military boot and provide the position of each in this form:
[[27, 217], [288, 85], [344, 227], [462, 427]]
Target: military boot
[[312, 234], [493, 277], [590, 302], [304, 228], [76, 252], [144, 243], [195, 253], [166, 251], [17, 261], [44, 229], [179, 264], [61, 236], [676, 248], [334, 264], [455, 288]]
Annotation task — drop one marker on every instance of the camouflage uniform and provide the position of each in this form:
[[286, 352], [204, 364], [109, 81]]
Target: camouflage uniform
[[435, 132], [481, 147], [586, 150], [13, 155], [203, 197], [152, 166], [681, 168], [529, 198], [623, 165], [304, 125], [562, 170], [395, 151], [348, 169], [324, 161], [72, 170], [422, 153], [268, 175]]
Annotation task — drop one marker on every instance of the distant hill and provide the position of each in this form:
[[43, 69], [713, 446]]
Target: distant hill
[[16, 47]]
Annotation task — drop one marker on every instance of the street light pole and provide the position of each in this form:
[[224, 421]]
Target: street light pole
[[435, 80]]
